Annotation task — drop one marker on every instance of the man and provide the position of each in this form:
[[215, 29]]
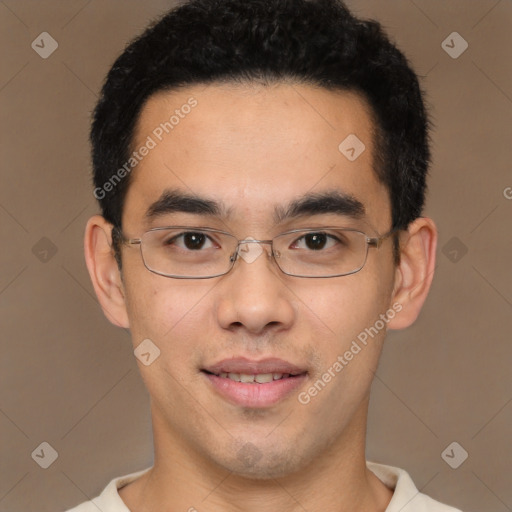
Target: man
[[260, 166]]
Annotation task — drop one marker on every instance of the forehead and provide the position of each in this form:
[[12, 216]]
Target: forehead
[[254, 147]]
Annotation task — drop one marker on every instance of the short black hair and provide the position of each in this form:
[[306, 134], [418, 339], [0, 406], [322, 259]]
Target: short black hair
[[316, 42]]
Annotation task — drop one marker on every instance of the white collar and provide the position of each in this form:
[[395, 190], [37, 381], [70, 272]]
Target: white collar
[[406, 497]]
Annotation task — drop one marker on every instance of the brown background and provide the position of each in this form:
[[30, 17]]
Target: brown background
[[69, 378]]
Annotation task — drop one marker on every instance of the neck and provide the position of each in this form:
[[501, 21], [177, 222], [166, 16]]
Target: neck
[[181, 479]]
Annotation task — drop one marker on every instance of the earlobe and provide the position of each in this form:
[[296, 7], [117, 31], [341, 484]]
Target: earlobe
[[415, 271], [103, 270]]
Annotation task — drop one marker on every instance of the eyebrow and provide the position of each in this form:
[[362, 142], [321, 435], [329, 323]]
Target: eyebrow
[[331, 201], [172, 201]]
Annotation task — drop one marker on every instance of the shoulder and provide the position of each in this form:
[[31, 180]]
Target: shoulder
[[109, 500], [406, 497]]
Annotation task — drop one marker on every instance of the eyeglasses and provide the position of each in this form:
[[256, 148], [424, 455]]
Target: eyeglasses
[[185, 252]]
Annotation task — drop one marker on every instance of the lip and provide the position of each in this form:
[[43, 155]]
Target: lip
[[254, 395]]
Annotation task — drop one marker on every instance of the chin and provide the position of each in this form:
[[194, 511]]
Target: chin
[[261, 462]]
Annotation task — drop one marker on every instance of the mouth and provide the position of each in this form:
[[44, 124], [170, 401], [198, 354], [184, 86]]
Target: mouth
[[258, 378], [255, 384]]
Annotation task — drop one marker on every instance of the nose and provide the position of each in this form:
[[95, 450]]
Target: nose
[[253, 295]]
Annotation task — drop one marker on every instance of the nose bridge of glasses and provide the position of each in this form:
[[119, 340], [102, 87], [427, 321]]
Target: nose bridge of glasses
[[250, 240], [250, 249]]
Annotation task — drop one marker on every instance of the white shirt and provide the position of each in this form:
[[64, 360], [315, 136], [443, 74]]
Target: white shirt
[[406, 498]]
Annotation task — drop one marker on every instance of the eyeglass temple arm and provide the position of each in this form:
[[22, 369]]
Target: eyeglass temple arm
[[118, 234], [377, 241]]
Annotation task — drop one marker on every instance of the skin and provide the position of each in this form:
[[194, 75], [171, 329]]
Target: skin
[[253, 147]]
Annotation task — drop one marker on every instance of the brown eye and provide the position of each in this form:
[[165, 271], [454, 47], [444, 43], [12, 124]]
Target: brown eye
[[194, 240], [315, 241], [190, 240]]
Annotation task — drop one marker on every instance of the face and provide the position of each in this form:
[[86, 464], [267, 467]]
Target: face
[[254, 150]]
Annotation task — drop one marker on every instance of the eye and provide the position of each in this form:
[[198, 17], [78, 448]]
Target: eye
[[191, 240], [315, 241]]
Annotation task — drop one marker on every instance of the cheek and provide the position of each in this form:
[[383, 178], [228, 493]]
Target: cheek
[[348, 351], [166, 310], [350, 317], [170, 313], [343, 307]]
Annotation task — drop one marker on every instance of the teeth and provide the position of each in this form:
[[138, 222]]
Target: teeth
[[263, 377], [260, 378]]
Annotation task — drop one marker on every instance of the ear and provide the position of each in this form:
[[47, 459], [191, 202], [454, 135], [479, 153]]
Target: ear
[[103, 270], [413, 275]]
